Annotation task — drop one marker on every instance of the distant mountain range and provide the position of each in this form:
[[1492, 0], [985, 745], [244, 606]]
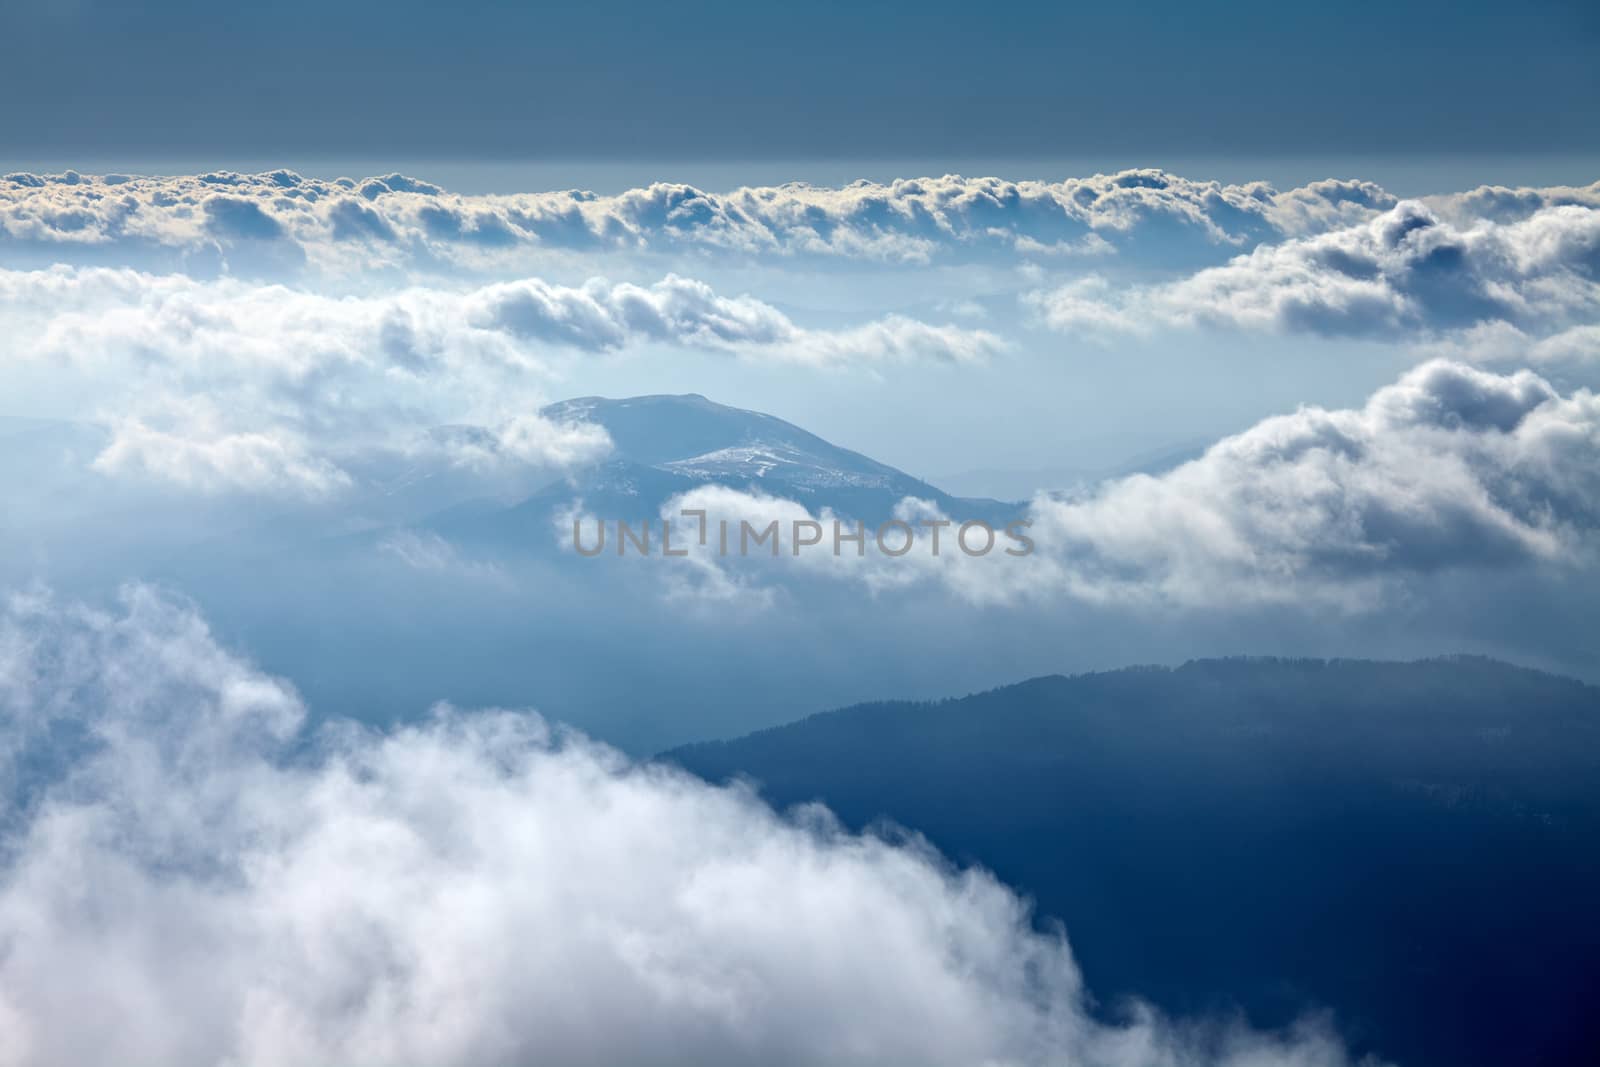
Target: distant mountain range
[[668, 445], [1412, 845]]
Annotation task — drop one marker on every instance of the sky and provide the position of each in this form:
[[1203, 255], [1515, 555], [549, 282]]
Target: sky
[[710, 79]]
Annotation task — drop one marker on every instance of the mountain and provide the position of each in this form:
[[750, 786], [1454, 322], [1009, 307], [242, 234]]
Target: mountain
[[667, 445], [663, 446], [1409, 844], [699, 439]]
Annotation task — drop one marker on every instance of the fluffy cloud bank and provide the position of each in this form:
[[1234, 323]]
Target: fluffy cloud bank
[[1451, 468], [205, 882], [175, 318], [281, 222], [303, 376], [1408, 273]]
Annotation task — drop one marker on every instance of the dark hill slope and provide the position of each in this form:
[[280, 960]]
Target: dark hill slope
[[1414, 845]]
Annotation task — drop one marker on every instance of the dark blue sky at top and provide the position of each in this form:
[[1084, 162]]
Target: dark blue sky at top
[[712, 79]]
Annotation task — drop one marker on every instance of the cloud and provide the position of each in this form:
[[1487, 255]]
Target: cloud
[[211, 460], [1404, 274], [1571, 351], [279, 222], [304, 376], [232, 217], [1451, 469], [209, 880], [1090, 307], [425, 551], [1499, 203], [176, 319], [602, 316], [527, 438]]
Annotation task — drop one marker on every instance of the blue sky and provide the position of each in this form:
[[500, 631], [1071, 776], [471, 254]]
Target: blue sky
[[706, 80]]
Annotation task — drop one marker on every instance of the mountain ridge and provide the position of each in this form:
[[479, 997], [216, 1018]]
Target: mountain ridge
[[1133, 669], [668, 444], [693, 435], [1250, 833]]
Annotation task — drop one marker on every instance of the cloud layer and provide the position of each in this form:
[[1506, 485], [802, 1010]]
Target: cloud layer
[[1406, 274], [281, 222], [206, 882]]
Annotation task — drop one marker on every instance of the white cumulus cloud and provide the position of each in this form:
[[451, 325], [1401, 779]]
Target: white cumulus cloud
[[207, 880], [1406, 274]]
